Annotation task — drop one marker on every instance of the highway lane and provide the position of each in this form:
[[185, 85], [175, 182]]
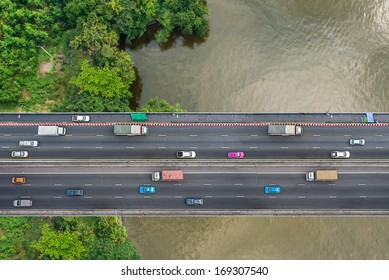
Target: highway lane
[[209, 142], [220, 190]]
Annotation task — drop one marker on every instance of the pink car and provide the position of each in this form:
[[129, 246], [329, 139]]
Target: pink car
[[235, 155]]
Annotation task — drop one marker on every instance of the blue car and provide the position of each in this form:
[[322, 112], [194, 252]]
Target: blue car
[[74, 192], [272, 189], [146, 189]]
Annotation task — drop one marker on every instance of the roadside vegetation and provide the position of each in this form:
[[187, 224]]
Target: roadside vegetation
[[65, 238], [63, 55]]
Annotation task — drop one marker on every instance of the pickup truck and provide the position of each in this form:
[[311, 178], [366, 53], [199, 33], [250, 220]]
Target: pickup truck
[[79, 118]]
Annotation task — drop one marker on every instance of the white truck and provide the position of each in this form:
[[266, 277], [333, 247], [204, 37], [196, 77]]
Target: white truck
[[130, 130], [51, 130], [284, 130]]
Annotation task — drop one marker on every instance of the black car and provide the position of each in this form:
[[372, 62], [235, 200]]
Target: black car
[[194, 201]]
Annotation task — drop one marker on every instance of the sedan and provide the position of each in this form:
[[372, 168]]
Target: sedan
[[74, 192], [146, 189], [186, 154], [19, 154], [18, 180], [340, 154], [272, 189], [235, 155], [355, 142], [193, 201]]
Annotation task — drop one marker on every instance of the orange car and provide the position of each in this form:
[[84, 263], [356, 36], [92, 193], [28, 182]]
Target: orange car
[[18, 180]]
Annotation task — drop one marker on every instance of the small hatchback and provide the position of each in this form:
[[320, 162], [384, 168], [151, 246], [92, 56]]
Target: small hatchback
[[235, 155], [340, 154], [74, 192], [146, 189], [274, 189], [18, 180], [19, 154], [29, 143], [194, 201], [357, 142]]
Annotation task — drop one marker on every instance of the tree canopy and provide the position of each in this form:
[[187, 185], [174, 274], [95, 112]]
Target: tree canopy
[[160, 105]]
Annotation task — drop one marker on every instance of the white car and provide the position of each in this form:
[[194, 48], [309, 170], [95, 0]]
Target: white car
[[186, 154], [29, 143], [19, 154], [78, 118], [359, 142], [340, 154]]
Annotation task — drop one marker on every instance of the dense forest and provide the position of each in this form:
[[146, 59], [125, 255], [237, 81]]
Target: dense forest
[[64, 56]]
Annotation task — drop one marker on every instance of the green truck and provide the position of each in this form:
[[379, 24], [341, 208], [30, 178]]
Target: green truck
[[138, 117]]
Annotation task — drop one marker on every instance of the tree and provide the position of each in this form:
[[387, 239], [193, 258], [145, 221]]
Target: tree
[[101, 81], [188, 15], [160, 105], [111, 228], [79, 11], [107, 249], [132, 20], [95, 39], [59, 246]]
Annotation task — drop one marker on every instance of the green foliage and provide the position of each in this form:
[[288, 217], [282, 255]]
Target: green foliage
[[110, 228], [59, 246], [134, 17], [13, 232], [24, 25], [94, 38], [68, 238], [89, 103], [107, 249], [103, 81], [188, 15], [160, 105]]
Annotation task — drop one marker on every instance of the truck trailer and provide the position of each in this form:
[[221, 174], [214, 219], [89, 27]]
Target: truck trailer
[[284, 130], [51, 130], [168, 175], [322, 176], [130, 130]]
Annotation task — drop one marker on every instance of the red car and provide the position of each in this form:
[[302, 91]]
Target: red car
[[235, 155]]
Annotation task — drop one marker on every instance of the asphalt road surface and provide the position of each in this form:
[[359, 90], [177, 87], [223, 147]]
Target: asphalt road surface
[[98, 142], [223, 189]]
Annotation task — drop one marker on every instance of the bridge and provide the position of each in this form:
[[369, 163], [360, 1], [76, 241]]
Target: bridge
[[110, 169]]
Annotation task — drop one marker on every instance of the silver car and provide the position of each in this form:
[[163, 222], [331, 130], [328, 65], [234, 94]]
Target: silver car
[[19, 154], [29, 143], [359, 142], [340, 154]]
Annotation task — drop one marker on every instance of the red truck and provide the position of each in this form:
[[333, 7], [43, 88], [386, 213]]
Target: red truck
[[167, 175]]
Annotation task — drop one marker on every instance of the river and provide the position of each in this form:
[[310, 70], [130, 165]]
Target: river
[[271, 56]]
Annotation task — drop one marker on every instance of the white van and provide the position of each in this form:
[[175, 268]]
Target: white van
[[29, 143], [23, 203]]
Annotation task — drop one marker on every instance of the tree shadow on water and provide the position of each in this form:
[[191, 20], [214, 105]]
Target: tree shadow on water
[[136, 89]]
